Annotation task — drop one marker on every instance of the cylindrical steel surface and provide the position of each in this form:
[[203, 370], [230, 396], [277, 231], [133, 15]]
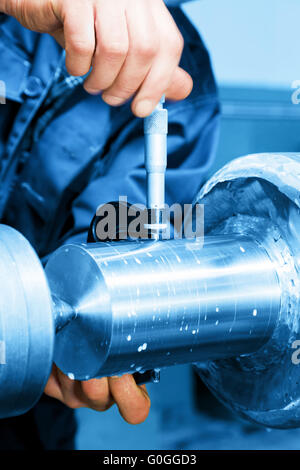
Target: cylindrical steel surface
[[26, 325], [259, 196], [148, 305]]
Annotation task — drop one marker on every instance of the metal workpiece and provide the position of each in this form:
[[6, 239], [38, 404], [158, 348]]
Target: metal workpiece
[[155, 132], [63, 313], [260, 195], [142, 305], [227, 303], [26, 325]]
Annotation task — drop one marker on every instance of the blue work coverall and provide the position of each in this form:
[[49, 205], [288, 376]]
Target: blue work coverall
[[64, 152]]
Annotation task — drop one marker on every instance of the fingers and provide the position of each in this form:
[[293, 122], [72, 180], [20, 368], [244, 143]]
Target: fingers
[[132, 400], [77, 17], [100, 394], [112, 45], [96, 394], [143, 48], [93, 393], [53, 386], [164, 71], [62, 388], [138, 51], [134, 49], [151, 68], [181, 85], [157, 84], [59, 37]]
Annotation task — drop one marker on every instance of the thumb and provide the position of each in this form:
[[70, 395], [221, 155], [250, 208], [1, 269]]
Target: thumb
[[180, 86], [59, 37], [132, 400]]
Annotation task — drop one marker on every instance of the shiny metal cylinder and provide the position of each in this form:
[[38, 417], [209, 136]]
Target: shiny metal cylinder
[[154, 304], [259, 196], [26, 325]]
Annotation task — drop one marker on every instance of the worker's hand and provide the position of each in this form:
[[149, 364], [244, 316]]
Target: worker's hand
[[100, 394], [133, 46]]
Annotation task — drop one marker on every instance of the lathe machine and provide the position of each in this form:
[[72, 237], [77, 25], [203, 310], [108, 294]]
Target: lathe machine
[[227, 303]]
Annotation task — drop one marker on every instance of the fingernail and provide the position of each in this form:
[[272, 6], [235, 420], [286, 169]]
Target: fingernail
[[112, 100], [143, 108]]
